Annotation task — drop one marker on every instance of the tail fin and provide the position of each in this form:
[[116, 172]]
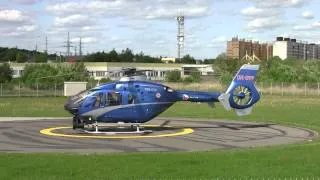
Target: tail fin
[[242, 94]]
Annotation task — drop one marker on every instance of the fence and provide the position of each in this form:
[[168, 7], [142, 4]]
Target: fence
[[283, 89], [37, 90]]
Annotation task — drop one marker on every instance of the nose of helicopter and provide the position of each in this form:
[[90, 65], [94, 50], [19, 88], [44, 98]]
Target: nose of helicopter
[[71, 106]]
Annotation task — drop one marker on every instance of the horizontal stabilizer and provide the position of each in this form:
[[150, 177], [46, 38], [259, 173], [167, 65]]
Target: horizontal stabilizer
[[243, 112], [224, 100]]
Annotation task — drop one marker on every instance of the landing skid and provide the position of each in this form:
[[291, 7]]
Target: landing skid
[[114, 130]]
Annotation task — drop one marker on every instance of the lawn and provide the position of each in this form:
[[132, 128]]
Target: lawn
[[289, 161]]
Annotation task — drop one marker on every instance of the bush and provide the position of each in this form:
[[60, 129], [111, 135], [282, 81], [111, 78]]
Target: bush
[[104, 80], [226, 78], [194, 77], [173, 76], [5, 73], [188, 79], [43, 76]]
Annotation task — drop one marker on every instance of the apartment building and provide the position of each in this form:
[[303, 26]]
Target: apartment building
[[291, 48], [238, 48]]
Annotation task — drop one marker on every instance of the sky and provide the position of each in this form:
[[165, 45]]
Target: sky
[[150, 26]]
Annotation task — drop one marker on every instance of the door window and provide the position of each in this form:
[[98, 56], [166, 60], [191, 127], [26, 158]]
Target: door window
[[131, 99], [100, 100], [114, 98]]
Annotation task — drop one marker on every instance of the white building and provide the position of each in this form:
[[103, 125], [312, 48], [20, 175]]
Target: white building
[[286, 48], [204, 69], [99, 70]]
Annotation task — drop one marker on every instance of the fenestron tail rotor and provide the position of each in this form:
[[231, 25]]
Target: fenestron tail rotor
[[242, 95]]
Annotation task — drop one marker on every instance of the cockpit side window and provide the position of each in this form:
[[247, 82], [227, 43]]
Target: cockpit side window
[[100, 100], [114, 98]]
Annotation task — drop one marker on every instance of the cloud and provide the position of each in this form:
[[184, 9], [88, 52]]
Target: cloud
[[16, 23], [136, 9], [307, 15], [269, 14], [27, 28], [280, 3], [18, 31], [25, 2], [259, 12], [219, 39], [135, 24], [12, 15], [308, 27], [76, 20], [84, 40], [261, 24]]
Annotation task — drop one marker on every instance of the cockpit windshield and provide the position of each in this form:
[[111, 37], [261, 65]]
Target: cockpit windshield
[[78, 98]]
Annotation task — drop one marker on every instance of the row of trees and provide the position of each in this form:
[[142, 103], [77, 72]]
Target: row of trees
[[126, 55], [23, 55]]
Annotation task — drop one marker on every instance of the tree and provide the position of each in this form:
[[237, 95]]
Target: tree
[[5, 73], [11, 54], [187, 59], [21, 57], [126, 55], [41, 57], [208, 61], [40, 75], [222, 56], [113, 56], [45, 75]]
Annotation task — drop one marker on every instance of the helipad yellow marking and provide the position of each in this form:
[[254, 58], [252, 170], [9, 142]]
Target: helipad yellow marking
[[49, 132]]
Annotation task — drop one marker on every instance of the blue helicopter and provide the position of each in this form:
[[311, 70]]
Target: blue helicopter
[[135, 100]]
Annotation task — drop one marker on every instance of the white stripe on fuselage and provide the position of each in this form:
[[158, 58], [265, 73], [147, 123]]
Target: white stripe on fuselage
[[100, 111]]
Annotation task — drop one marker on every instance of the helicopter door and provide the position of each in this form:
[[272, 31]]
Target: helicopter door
[[114, 98], [128, 98]]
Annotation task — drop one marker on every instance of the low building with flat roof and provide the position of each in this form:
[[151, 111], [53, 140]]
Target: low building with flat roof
[[99, 70], [168, 59]]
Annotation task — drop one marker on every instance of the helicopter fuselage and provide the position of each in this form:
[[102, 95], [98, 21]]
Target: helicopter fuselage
[[130, 101], [134, 100]]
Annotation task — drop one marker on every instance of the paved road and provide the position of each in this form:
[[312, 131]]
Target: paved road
[[18, 135]]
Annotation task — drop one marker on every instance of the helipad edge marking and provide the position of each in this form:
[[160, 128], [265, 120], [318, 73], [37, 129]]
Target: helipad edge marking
[[49, 132]]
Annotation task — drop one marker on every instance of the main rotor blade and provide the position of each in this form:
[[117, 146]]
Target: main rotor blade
[[165, 123]]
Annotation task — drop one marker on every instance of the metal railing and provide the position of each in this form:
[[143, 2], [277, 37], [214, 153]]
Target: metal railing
[[282, 89]]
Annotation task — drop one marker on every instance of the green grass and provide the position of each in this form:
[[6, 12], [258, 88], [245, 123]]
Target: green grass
[[287, 161], [32, 107], [257, 163]]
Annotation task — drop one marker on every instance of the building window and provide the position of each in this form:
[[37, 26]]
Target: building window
[[15, 72], [100, 73], [90, 73]]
